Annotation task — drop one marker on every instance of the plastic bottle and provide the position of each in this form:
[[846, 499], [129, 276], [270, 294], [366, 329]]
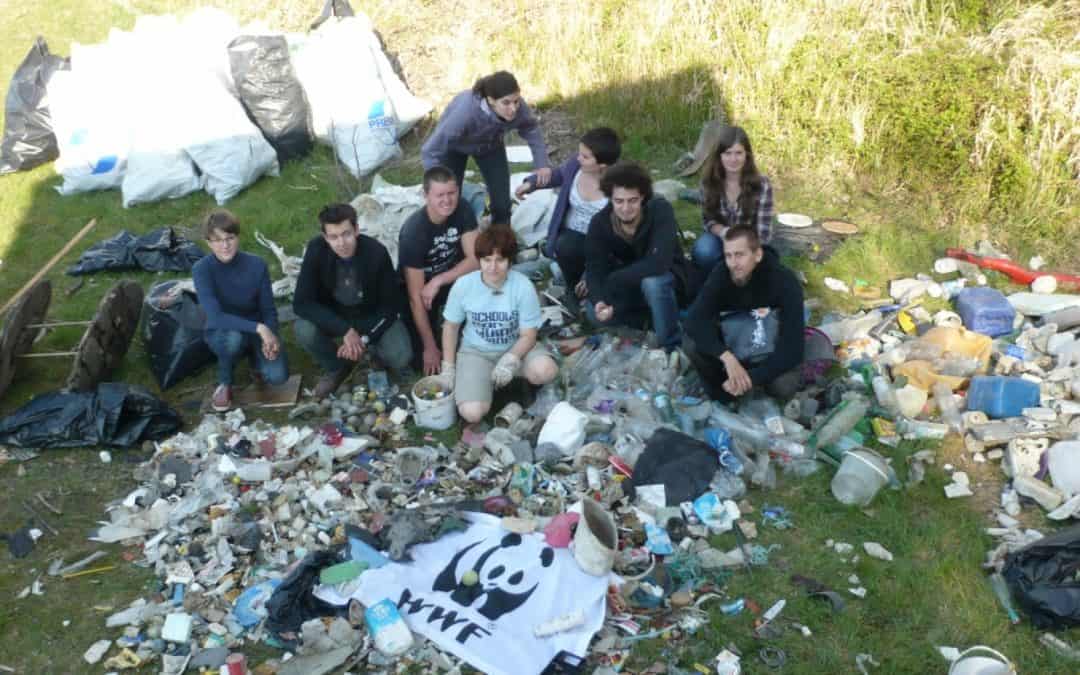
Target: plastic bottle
[[843, 420], [662, 402], [886, 395], [921, 429], [950, 412], [750, 431], [1001, 591], [765, 409], [787, 449]]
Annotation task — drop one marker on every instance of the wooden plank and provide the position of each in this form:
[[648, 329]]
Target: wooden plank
[[282, 396]]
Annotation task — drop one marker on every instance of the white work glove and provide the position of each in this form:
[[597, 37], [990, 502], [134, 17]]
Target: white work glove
[[447, 372], [505, 369]]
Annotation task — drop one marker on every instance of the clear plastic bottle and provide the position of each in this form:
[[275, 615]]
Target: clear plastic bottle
[[921, 428], [749, 430], [886, 395], [765, 409], [839, 423]]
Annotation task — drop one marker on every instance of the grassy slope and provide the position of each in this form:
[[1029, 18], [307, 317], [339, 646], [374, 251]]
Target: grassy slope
[[661, 69]]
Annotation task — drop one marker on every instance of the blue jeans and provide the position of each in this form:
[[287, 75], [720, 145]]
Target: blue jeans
[[230, 345], [708, 250], [393, 348], [655, 299]]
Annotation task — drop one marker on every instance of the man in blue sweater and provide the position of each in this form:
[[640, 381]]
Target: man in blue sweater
[[234, 291], [348, 290]]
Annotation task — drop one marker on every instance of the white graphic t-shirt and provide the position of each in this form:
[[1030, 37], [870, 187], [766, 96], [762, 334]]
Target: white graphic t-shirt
[[493, 319]]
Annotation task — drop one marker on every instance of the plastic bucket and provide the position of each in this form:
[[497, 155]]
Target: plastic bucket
[[439, 413], [990, 662], [860, 476]]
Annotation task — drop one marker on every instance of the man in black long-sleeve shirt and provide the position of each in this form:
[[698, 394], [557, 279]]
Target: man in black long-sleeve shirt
[[634, 264], [348, 289], [757, 305]]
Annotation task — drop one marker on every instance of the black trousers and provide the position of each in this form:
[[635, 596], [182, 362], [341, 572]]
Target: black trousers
[[496, 172]]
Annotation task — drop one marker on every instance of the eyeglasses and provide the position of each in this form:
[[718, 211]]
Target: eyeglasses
[[222, 240]]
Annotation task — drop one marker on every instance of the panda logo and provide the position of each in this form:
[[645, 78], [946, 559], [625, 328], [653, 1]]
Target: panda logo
[[502, 590]]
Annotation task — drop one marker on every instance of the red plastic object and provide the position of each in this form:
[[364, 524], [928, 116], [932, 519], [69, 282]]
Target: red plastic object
[[1020, 275]]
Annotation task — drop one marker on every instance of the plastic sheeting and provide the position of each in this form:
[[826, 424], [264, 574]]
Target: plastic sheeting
[[173, 333], [28, 131], [114, 414], [294, 602], [1042, 578], [270, 93], [683, 465], [162, 250], [363, 110]]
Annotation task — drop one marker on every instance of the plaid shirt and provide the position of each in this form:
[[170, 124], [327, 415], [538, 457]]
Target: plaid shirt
[[730, 215]]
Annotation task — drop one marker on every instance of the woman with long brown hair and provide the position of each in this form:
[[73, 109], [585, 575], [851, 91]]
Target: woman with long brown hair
[[735, 193]]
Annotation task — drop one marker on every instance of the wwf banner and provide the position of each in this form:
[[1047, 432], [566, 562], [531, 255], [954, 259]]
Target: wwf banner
[[522, 584]]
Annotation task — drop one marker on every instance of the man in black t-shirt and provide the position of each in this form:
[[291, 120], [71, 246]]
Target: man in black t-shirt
[[435, 247], [347, 290]]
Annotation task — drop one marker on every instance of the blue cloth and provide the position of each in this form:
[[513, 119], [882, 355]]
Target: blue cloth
[[493, 319], [235, 295], [230, 345], [468, 126]]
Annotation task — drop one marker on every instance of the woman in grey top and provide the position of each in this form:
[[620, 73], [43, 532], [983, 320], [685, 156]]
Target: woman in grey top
[[474, 124]]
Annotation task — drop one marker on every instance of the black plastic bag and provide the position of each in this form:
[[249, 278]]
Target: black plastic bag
[[161, 250], [173, 333], [1043, 579], [28, 134], [114, 414], [293, 601], [271, 94], [684, 465]]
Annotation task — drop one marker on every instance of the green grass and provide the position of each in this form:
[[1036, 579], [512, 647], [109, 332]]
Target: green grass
[[843, 103]]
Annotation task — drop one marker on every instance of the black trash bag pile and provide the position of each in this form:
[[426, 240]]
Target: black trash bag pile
[[172, 333], [114, 414], [684, 465], [161, 250], [293, 601], [1043, 578], [270, 93], [28, 133]]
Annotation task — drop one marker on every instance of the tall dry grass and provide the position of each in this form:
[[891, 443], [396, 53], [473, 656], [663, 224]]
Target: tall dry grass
[[831, 90]]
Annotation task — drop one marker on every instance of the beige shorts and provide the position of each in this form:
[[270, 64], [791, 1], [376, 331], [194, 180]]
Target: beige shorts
[[472, 379]]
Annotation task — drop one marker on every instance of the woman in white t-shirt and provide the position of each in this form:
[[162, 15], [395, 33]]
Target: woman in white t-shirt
[[500, 311], [579, 200]]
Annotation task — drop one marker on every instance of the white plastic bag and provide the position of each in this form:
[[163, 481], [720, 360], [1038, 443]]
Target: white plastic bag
[[350, 108], [565, 427], [229, 150], [92, 136]]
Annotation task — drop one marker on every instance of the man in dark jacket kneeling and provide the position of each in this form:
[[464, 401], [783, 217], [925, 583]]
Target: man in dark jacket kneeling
[[745, 329], [348, 290]]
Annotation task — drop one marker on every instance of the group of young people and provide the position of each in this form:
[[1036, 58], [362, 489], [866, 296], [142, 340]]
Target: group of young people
[[454, 306]]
